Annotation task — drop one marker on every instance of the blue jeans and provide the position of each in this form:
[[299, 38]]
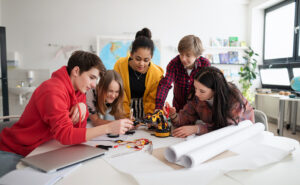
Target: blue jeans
[[8, 162]]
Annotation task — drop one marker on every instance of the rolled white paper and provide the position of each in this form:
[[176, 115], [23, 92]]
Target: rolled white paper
[[210, 150], [174, 152]]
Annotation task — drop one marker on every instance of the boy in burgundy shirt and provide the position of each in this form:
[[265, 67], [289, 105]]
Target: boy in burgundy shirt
[[181, 70]]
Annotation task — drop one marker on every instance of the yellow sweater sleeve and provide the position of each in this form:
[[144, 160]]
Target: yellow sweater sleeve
[[121, 67]]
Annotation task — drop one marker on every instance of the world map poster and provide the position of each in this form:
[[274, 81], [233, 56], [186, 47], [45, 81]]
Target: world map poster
[[110, 49]]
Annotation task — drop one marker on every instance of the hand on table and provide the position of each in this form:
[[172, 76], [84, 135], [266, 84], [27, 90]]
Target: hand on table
[[119, 126], [185, 131]]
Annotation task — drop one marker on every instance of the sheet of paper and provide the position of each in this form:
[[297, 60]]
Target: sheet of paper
[[262, 150], [30, 176], [252, 154], [140, 161]]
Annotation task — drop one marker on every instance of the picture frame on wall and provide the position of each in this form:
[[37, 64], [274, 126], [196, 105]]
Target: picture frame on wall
[[111, 48]]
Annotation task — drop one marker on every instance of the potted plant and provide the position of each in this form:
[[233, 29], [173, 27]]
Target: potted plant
[[248, 74]]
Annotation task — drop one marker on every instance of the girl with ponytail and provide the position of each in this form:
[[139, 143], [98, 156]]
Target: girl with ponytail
[[140, 76]]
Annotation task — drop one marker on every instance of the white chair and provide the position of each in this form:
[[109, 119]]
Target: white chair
[[260, 116], [12, 120]]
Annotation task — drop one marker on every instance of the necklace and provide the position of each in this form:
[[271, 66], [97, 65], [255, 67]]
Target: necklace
[[137, 76]]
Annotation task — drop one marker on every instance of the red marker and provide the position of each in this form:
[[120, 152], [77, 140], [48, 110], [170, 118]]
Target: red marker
[[168, 110]]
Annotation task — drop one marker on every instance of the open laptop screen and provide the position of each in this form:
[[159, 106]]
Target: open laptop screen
[[275, 76]]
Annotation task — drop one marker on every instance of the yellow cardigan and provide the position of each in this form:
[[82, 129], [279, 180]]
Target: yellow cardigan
[[154, 75]]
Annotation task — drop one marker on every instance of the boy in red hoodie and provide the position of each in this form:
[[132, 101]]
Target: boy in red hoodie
[[47, 114]]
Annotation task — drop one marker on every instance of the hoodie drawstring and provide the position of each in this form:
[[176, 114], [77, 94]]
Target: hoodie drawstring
[[79, 115]]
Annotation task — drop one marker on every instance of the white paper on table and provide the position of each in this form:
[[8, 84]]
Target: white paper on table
[[202, 154], [139, 161], [173, 153], [285, 172], [30, 176], [177, 177], [263, 150]]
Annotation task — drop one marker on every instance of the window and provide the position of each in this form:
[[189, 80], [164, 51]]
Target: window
[[280, 33], [296, 72], [295, 69], [281, 51]]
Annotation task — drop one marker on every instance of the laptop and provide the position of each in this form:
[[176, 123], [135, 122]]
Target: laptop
[[64, 157]]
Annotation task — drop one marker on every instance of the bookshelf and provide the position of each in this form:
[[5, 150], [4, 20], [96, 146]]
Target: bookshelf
[[229, 68], [227, 55], [217, 64], [235, 48]]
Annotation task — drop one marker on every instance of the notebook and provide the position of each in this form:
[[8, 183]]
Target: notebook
[[58, 159]]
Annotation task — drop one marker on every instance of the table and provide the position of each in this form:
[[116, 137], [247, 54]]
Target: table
[[99, 171], [293, 106]]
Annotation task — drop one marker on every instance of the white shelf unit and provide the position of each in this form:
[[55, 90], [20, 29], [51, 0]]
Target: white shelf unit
[[229, 48], [230, 69], [213, 51]]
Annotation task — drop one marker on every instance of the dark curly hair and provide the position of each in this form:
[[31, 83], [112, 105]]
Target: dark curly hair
[[143, 40]]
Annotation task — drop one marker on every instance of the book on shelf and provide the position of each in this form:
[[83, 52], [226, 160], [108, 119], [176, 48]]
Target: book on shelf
[[224, 58], [216, 42], [233, 41], [243, 44], [233, 57], [225, 42]]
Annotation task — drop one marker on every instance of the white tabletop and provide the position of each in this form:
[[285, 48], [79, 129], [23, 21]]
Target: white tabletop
[[99, 171]]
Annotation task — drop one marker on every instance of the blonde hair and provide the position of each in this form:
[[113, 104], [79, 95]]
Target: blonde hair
[[102, 87], [191, 43]]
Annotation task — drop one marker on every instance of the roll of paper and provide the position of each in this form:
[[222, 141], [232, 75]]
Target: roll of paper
[[210, 150], [173, 153]]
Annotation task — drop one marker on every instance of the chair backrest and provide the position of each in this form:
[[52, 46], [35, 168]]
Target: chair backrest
[[260, 116]]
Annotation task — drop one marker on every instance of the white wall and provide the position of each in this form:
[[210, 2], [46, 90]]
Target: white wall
[[32, 24]]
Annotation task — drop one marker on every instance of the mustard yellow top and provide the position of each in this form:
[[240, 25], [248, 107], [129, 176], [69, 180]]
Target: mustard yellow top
[[154, 75]]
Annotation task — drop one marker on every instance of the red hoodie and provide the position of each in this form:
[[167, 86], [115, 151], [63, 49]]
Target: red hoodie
[[46, 117]]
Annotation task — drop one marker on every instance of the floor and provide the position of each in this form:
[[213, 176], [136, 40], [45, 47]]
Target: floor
[[286, 133]]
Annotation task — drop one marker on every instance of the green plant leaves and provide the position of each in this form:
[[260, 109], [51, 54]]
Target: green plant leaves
[[248, 71]]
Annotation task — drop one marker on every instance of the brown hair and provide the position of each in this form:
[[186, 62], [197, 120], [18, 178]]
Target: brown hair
[[102, 88], [85, 61], [226, 94], [191, 43]]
